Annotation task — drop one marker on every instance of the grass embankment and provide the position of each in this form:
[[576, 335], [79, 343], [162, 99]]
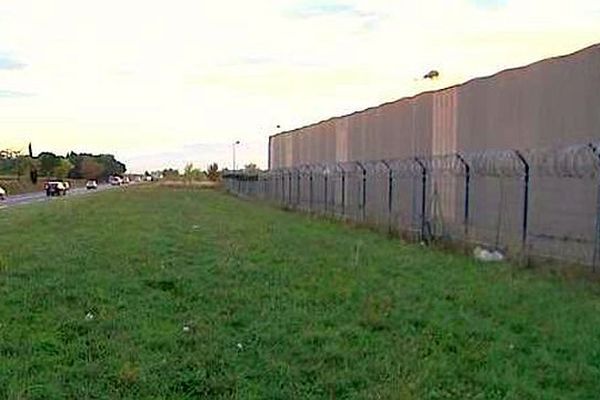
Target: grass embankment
[[192, 293], [19, 186], [14, 186]]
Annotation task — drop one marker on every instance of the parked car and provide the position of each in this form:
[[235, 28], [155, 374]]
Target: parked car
[[91, 184], [2, 193], [55, 188]]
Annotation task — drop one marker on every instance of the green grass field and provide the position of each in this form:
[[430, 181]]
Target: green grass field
[[194, 294]]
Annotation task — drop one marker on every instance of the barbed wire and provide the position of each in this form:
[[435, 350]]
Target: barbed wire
[[495, 163], [578, 161], [446, 164], [575, 161]]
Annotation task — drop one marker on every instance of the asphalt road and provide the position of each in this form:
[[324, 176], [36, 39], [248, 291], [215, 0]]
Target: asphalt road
[[27, 198]]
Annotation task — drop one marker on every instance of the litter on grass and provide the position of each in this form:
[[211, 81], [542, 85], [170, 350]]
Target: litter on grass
[[486, 255]]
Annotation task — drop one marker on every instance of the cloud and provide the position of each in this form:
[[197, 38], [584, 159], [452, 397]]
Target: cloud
[[168, 73], [8, 63], [306, 9], [13, 94], [489, 3], [364, 18]]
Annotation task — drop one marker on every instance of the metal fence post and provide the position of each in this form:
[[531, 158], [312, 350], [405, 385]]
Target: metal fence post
[[525, 200], [390, 191], [596, 253], [290, 188], [310, 191], [325, 189], [423, 196], [467, 168], [283, 187], [364, 190], [298, 188], [343, 192], [261, 185], [272, 187]]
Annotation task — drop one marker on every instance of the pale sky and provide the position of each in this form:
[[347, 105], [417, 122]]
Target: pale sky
[[160, 83]]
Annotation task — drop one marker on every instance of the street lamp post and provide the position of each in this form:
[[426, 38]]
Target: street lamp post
[[233, 148]]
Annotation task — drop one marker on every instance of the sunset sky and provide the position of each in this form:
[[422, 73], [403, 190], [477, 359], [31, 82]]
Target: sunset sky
[[162, 83]]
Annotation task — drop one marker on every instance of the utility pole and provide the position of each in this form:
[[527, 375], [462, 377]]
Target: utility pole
[[233, 148]]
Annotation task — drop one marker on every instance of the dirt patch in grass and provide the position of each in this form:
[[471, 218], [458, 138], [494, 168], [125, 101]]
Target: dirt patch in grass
[[188, 185]]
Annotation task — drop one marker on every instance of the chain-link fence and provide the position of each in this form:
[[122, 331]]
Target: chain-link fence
[[543, 203]]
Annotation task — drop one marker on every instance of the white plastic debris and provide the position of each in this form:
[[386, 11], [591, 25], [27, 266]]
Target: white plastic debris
[[186, 328], [486, 255], [240, 346], [89, 316]]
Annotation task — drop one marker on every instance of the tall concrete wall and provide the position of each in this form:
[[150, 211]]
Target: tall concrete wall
[[554, 102]]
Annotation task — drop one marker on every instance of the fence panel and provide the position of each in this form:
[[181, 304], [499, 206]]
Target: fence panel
[[499, 200], [336, 184], [352, 191], [379, 187], [407, 197], [447, 208], [306, 188], [563, 204], [543, 202]]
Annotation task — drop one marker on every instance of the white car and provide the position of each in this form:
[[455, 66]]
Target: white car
[[55, 188], [115, 180], [91, 184], [2, 193]]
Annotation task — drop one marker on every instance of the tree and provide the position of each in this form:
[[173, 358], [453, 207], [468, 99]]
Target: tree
[[251, 168], [188, 172], [197, 174], [110, 166], [213, 172], [9, 160], [22, 164], [170, 173], [91, 169], [63, 168], [48, 162]]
